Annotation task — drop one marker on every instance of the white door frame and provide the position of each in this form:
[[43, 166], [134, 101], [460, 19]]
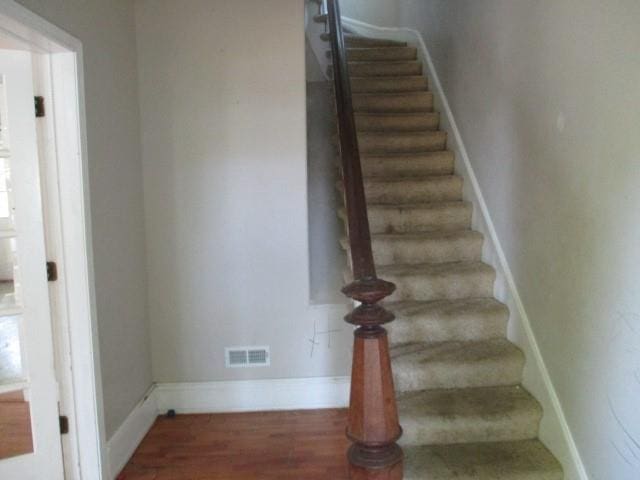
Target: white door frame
[[67, 183]]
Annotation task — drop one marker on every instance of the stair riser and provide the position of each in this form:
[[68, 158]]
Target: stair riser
[[434, 430], [460, 328], [416, 220], [389, 252], [383, 54], [398, 123], [436, 190], [389, 144], [410, 103], [383, 69], [389, 85], [461, 375], [450, 286]]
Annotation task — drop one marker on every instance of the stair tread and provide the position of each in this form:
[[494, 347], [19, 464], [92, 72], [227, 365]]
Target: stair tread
[[397, 121], [398, 48], [465, 319], [391, 62], [485, 402], [406, 83], [375, 143], [394, 94], [396, 116], [454, 352], [392, 102], [413, 179], [401, 189], [413, 206], [409, 308], [443, 278], [384, 142], [374, 41], [434, 269], [389, 78], [407, 155], [372, 53], [417, 217], [425, 236], [456, 364], [383, 69], [402, 165], [418, 206], [393, 114], [420, 237], [521, 460], [402, 134], [465, 415], [436, 247]]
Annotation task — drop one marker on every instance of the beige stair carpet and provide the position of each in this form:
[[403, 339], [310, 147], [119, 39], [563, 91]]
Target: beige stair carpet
[[464, 413]]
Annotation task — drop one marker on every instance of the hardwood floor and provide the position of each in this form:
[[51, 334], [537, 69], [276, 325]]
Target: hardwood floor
[[15, 426], [308, 445]]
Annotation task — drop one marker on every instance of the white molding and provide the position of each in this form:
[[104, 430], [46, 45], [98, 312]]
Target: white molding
[[555, 430], [34, 30], [254, 395], [124, 442]]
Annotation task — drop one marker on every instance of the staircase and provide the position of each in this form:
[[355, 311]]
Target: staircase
[[464, 413]]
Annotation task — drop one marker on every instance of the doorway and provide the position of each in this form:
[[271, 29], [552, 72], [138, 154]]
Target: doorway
[[49, 368]]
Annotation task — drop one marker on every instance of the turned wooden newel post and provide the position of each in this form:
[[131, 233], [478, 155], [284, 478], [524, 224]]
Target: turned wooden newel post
[[373, 417]]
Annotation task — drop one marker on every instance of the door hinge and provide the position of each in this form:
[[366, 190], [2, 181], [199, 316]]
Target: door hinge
[[64, 424], [39, 102], [52, 271]]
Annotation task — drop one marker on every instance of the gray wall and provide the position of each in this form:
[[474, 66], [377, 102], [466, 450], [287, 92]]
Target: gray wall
[[222, 89], [106, 29], [547, 98]]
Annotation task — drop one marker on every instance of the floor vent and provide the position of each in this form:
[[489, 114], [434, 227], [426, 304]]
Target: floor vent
[[238, 357]]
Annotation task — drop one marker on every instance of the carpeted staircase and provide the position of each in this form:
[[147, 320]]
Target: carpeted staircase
[[465, 415]]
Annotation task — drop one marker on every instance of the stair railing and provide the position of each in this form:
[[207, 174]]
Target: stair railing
[[373, 425]]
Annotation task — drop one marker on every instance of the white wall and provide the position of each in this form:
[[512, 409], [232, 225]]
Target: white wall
[[222, 87], [546, 97], [383, 13], [106, 29]]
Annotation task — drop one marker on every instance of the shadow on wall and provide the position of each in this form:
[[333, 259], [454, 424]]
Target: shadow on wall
[[326, 258]]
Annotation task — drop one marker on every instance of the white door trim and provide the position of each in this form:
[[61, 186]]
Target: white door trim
[[75, 261]]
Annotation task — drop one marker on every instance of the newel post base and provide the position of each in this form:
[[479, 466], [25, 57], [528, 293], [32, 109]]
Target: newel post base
[[375, 464], [373, 426]]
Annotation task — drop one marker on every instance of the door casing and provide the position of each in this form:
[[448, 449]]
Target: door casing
[[58, 75]]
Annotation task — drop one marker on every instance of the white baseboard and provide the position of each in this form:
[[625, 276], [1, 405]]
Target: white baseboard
[[555, 430], [124, 442], [254, 395]]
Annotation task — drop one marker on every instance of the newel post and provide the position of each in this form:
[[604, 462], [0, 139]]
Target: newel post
[[373, 425]]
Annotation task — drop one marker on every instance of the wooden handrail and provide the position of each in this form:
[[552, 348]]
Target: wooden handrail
[[373, 425]]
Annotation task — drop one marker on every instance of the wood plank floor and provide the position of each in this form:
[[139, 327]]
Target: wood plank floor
[[308, 445], [15, 425]]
